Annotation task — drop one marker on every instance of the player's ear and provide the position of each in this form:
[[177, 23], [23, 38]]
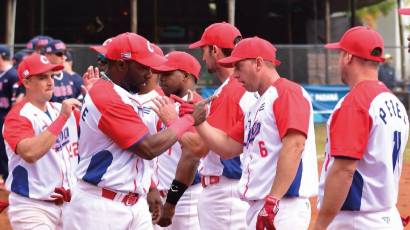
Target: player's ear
[[259, 62]]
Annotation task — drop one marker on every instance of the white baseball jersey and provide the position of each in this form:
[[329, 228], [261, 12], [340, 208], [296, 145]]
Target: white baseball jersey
[[56, 168], [370, 125], [284, 106], [225, 110], [147, 115], [109, 125], [165, 166]]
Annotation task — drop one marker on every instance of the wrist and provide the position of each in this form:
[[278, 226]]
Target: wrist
[[181, 125], [57, 125], [273, 202], [175, 192]]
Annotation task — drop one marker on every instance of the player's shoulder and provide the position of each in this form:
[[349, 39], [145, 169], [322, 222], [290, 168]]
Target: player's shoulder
[[283, 85], [364, 93], [16, 110]]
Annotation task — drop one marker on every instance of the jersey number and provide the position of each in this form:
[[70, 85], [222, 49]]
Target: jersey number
[[262, 149], [396, 147]]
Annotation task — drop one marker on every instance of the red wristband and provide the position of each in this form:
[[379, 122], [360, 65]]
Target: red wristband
[[181, 125], [152, 185], [56, 127]]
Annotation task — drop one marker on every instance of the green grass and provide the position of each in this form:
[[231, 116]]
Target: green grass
[[320, 131]]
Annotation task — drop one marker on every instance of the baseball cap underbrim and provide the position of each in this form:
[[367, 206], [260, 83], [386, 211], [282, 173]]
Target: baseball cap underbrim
[[335, 45], [404, 11], [197, 44], [151, 60], [99, 49], [230, 61]]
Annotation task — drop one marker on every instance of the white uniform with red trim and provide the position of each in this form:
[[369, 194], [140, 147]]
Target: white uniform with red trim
[[109, 175], [219, 205], [284, 106], [371, 125], [32, 184], [148, 116], [186, 210]]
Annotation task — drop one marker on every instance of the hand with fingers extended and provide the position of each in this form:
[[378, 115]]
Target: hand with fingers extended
[[68, 105], [186, 107], [165, 110], [266, 216], [201, 110], [155, 204], [168, 211], [89, 78]]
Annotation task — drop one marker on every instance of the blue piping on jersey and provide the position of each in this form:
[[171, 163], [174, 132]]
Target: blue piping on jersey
[[232, 168], [293, 190], [98, 167], [19, 184], [354, 197]]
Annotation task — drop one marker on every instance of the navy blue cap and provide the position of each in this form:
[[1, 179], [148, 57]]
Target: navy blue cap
[[4, 51], [68, 55], [55, 46], [18, 57], [38, 41]]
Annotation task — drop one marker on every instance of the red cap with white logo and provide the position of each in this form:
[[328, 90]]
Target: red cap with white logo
[[131, 46], [36, 64], [223, 35]]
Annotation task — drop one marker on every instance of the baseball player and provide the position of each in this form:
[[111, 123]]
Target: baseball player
[[41, 141], [219, 206], [277, 139], [66, 85], [178, 75], [113, 176], [37, 43], [8, 78], [366, 138]]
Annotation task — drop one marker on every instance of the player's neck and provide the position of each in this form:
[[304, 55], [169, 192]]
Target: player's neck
[[223, 73], [40, 104], [5, 65], [361, 75], [267, 79]]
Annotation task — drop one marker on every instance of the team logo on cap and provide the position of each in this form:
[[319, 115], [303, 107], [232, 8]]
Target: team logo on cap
[[60, 46], [150, 48], [44, 60], [107, 41], [48, 50], [26, 73], [126, 55]]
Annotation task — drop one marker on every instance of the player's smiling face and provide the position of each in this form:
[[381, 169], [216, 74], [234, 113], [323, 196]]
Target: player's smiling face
[[244, 72]]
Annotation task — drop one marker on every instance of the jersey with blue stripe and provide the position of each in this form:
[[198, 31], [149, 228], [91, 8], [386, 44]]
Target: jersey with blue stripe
[[225, 111], [369, 125], [110, 125], [284, 106]]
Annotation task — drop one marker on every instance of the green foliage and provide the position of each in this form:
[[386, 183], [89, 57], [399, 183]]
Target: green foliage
[[369, 14]]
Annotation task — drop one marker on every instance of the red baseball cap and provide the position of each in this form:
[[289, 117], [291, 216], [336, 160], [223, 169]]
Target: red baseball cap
[[251, 48], [36, 64], [362, 42], [221, 34], [404, 11], [101, 49], [131, 46], [157, 49], [177, 60]]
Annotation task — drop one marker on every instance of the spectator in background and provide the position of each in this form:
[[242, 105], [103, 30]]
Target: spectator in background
[[8, 77], [65, 85], [387, 73], [38, 42], [18, 89]]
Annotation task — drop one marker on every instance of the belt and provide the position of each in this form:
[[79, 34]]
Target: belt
[[209, 180], [128, 199]]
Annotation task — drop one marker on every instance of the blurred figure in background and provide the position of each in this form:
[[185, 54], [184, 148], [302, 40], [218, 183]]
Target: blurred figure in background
[[8, 77], [387, 73], [37, 43]]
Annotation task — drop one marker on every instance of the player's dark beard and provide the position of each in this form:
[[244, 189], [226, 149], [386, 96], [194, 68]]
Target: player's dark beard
[[129, 84]]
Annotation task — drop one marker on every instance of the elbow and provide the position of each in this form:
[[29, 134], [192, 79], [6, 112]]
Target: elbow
[[29, 157], [147, 154]]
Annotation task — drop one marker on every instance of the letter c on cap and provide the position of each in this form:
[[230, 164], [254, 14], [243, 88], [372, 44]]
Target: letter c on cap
[[150, 48], [44, 60]]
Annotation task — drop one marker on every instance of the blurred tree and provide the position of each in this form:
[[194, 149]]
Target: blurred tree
[[369, 14]]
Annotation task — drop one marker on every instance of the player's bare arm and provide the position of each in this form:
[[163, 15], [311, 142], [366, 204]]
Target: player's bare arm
[[193, 148], [337, 186], [32, 149], [290, 155]]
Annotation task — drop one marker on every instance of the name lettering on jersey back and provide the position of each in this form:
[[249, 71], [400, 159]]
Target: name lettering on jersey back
[[390, 110], [84, 114]]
